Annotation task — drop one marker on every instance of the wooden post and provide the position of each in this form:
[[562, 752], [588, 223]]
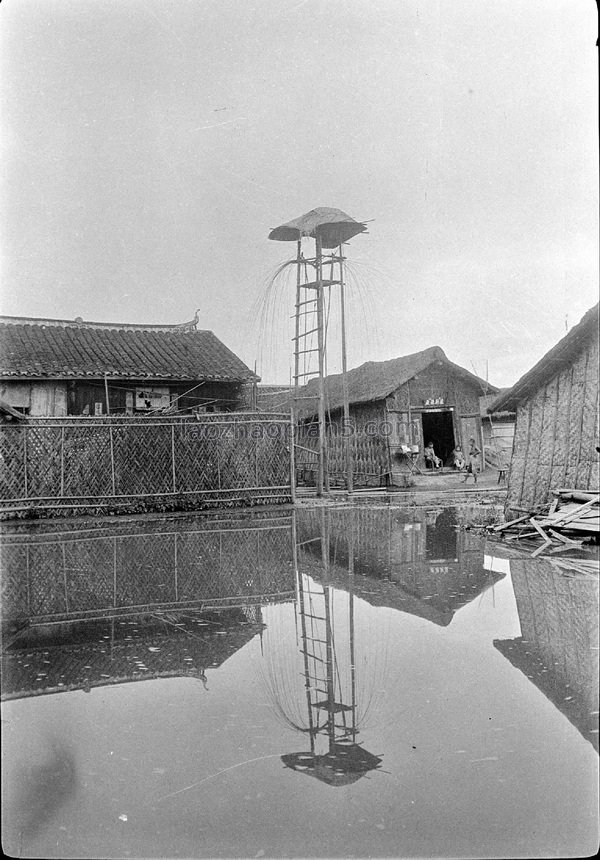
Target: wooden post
[[296, 370], [351, 620], [300, 592], [62, 461], [114, 543], [322, 472], [112, 462], [173, 458], [176, 561], [66, 585], [347, 440], [25, 461], [292, 459], [106, 394]]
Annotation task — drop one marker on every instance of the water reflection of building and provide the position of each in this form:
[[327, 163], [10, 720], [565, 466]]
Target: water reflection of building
[[420, 562], [323, 691], [86, 608], [88, 654], [558, 646]]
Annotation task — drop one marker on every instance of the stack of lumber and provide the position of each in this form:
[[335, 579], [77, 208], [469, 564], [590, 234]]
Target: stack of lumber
[[586, 567], [572, 518]]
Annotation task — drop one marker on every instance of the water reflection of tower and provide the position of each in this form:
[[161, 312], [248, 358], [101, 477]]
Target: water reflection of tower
[[330, 678]]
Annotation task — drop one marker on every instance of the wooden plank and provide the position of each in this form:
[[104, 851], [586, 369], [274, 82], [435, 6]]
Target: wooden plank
[[572, 513], [541, 549], [563, 538], [521, 535], [510, 523], [539, 530]]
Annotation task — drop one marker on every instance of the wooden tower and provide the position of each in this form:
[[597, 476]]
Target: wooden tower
[[317, 274]]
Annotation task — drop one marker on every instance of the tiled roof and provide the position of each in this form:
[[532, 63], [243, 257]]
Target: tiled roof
[[35, 348]]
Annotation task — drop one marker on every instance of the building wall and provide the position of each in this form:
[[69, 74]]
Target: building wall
[[556, 436], [36, 398], [88, 397], [437, 388], [498, 438]]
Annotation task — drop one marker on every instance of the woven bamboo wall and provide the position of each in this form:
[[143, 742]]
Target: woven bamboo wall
[[63, 463], [370, 458], [556, 436]]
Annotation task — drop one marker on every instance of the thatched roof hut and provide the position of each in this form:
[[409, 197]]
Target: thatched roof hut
[[557, 431]]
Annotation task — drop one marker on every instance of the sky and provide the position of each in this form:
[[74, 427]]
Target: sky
[[149, 146]]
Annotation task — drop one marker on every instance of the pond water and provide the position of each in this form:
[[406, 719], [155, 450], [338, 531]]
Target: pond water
[[353, 682]]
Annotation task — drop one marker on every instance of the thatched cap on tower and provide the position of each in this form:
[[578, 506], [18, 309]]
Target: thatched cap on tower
[[332, 226]]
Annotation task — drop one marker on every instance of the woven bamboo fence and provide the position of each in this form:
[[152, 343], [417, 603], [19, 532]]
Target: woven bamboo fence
[[370, 456], [556, 437], [68, 464]]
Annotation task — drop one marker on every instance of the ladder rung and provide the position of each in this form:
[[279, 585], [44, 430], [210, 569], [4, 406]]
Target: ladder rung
[[305, 333], [307, 302], [310, 373], [303, 351], [313, 656]]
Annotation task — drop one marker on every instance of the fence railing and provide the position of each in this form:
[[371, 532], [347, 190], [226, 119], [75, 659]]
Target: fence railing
[[86, 462]]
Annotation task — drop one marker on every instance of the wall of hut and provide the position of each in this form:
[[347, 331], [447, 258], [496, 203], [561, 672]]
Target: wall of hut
[[438, 393], [88, 397], [498, 439], [556, 436]]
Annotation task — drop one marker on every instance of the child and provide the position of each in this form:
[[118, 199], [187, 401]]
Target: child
[[473, 466]]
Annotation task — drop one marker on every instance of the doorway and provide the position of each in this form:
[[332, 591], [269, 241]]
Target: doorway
[[438, 427]]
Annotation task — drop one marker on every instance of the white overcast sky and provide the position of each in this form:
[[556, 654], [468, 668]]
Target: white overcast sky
[[148, 146]]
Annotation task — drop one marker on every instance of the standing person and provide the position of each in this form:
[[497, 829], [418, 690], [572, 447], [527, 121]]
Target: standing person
[[473, 465]]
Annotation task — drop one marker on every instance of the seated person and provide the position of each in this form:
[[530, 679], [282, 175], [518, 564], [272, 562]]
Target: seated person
[[431, 460], [458, 458]]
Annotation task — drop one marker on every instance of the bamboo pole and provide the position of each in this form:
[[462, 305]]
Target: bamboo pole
[[112, 461], [65, 583], [292, 459], [351, 621], [346, 438], [62, 461], [176, 568], [106, 394], [25, 461], [173, 458], [302, 607], [321, 472]]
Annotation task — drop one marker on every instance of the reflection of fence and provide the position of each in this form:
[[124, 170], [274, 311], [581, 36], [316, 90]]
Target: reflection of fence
[[62, 463], [74, 575]]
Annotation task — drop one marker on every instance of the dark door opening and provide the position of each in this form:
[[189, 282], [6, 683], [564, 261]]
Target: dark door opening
[[438, 428]]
